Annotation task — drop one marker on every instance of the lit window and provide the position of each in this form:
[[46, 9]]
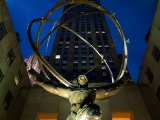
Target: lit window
[[104, 67], [149, 74], [97, 31], [156, 53], [10, 57], [7, 100], [57, 56], [122, 115], [75, 46], [89, 32], [2, 30], [18, 77], [99, 45], [106, 45], [1, 75], [75, 61], [103, 31]]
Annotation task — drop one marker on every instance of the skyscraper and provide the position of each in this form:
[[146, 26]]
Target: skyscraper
[[71, 57]]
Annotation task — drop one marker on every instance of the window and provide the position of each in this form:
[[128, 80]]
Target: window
[[149, 75], [63, 74], [105, 73], [7, 100], [1, 75], [92, 73], [57, 56], [2, 30], [63, 67], [156, 53], [10, 57], [75, 74], [18, 77], [158, 93]]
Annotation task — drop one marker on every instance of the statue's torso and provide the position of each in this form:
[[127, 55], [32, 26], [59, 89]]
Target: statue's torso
[[79, 97]]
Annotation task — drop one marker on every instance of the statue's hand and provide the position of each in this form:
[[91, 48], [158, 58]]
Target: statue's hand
[[39, 79]]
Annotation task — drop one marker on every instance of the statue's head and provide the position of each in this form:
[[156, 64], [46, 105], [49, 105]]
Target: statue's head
[[82, 81]]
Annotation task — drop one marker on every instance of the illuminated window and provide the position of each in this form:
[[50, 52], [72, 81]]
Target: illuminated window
[[1, 75], [67, 42], [2, 30], [149, 75], [47, 116], [83, 61], [103, 31], [57, 56], [122, 115], [75, 61], [104, 67], [10, 57], [18, 77], [7, 100]]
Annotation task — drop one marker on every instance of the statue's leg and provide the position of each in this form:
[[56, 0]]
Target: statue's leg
[[72, 116]]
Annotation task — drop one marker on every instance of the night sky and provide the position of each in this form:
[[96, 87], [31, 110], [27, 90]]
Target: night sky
[[134, 16]]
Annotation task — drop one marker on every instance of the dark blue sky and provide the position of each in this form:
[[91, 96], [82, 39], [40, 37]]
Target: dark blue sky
[[135, 17]]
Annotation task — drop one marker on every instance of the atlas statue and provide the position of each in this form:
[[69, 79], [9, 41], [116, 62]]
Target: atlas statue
[[82, 98]]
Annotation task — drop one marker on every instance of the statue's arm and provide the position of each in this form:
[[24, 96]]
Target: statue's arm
[[41, 81], [107, 91]]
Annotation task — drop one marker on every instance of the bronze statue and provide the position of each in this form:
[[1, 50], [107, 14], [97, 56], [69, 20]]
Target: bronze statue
[[81, 98]]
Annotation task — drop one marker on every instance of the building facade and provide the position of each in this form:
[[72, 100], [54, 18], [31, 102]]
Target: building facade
[[35, 65], [149, 72], [13, 75], [70, 56]]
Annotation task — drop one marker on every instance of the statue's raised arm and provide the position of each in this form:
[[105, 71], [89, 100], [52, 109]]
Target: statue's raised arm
[[103, 93], [48, 85]]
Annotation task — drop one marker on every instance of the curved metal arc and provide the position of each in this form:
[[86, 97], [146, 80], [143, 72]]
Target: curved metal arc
[[112, 78], [109, 15], [55, 73], [124, 62]]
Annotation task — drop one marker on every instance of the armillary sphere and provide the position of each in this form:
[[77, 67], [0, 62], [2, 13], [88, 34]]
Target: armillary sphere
[[36, 45]]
